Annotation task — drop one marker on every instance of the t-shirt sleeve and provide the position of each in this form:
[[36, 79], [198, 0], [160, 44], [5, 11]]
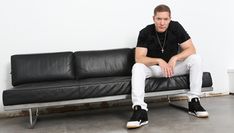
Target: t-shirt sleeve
[[181, 33], [142, 39]]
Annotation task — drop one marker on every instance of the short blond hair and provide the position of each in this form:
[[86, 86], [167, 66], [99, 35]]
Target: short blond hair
[[162, 8]]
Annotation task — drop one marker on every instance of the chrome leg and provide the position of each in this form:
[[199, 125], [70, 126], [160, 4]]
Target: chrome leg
[[169, 100], [176, 105], [31, 119]]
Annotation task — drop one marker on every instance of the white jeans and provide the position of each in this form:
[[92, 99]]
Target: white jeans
[[140, 72]]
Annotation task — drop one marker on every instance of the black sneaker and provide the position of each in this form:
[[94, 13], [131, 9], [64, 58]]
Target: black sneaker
[[196, 109], [139, 118]]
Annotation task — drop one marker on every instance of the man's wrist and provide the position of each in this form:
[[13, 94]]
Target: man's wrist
[[175, 57], [158, 60]]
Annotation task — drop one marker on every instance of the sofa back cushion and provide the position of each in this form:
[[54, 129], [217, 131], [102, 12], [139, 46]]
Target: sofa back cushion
[[42, 67], [104, 63]]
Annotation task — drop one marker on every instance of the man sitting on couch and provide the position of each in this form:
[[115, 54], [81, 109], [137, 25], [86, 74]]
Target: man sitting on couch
[[157, 56]]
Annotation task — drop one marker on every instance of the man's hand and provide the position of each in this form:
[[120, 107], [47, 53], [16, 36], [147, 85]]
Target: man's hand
[[166, 68], [172, 62]]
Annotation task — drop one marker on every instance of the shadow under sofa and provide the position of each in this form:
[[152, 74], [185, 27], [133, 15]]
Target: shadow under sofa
[[67, 78]]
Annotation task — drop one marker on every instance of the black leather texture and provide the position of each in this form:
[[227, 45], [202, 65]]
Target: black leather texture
[[91, 88], [104, 63], [51, 77], [42, 67], [66, 90]]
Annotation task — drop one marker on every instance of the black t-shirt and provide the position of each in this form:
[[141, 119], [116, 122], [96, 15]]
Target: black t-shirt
[[175, 35]]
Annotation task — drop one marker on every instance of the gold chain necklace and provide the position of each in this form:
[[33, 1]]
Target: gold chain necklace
[[164, 42]]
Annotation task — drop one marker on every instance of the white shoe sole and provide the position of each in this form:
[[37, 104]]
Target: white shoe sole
[[136, 124], [199, 114]]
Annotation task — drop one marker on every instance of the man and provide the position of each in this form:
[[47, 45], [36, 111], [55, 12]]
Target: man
[[157, 56]]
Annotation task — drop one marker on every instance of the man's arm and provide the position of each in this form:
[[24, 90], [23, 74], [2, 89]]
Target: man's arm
[[187, 50], [140, 57]]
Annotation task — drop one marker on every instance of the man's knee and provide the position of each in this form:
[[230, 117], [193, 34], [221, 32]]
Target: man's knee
[[138, 67], [194, 59]]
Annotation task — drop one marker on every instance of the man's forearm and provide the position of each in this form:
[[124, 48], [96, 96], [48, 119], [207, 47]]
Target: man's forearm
[[185, 53], [148, 61]]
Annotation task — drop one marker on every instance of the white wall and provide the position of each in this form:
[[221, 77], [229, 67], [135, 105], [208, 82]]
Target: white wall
[[38, 26]]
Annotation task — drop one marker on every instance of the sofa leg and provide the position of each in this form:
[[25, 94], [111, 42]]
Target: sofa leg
[[176, 105], [33, 119]]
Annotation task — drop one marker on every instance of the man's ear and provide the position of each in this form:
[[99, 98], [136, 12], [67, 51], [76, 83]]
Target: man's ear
[[153, 18]]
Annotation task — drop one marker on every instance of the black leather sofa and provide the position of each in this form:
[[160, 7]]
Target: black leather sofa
[[65, 78]]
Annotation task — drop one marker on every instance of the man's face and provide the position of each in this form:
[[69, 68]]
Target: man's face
[[161, 21]]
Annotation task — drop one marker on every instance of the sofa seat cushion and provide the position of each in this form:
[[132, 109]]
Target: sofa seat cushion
[[66, 90], [91, 88]]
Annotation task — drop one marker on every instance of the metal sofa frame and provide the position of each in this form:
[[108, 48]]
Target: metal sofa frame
[[33, 108]]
